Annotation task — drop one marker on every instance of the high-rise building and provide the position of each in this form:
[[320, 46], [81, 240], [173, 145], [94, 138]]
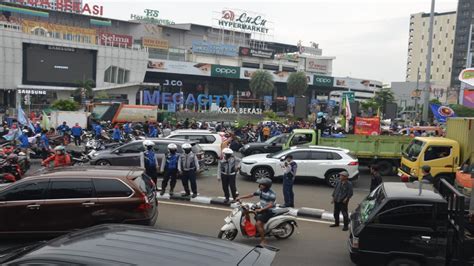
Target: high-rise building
[[464, 20], [442, 50]]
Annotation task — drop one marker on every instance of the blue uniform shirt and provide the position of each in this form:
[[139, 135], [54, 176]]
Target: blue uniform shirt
[[116, 134], [76, 131], [24, 141], [44, 142]]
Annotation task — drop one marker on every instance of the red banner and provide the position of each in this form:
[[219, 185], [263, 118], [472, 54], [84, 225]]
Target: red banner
[[112, 39], [367, 126]]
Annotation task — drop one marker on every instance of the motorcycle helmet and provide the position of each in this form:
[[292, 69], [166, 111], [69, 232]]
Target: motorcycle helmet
[[60, 149], [320, 114], [187, 147], [148, 144], [267, 182], [172, 147], [227, 152]]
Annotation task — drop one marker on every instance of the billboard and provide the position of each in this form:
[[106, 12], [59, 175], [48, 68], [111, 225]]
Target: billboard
[[278, 76], [467, 76], [215, 49], [154, 43], [469, 98], [57, 65], [225, 71], [320, 66], [240, 20], [367, 126], [357, 84], [323, 81], [179, 67], [260, 53], [112, 39]]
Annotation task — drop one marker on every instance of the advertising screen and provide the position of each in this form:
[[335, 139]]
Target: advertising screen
[[57, 65]]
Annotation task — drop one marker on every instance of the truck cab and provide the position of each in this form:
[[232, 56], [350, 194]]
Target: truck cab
[[411, 224], [441, 154]]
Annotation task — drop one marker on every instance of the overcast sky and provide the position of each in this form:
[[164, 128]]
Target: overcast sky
[[369, 38]]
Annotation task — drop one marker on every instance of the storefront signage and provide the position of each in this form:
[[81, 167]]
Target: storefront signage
[[261, 53], [65, 6], [31, 92], [243, 20], [225, 71], [290, 57], [60, 31], [154, 43], [320, 66], [243, 111], [310, 50], [112, 39], [216, 49], [179, 67], [173, 83], [151, 16], [323, 81], [61, 48], [157, 98]]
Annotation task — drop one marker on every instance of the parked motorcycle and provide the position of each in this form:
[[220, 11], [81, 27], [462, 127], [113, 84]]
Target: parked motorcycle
[[10, 170], [281, 225]]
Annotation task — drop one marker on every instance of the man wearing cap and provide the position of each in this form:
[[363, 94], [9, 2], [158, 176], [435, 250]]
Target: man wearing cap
[[340, 198], [428, 178]]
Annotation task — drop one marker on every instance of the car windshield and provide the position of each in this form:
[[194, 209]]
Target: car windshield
[[370, 203], [272, 139], [413, 150]]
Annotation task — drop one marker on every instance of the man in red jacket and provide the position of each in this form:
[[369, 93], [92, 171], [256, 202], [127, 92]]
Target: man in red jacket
[[60, 158]]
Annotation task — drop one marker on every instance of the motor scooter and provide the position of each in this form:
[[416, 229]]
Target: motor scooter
[[281, 225]]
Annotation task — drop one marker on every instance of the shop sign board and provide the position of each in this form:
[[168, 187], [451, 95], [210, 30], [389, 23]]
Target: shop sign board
[[278, 76], [310, 50], [165, 98], [320, 66], [179, 67], [242, 111], [151, 16], [243, 21], [65, 6], [323, 81], [112, 39], [29, 26], [225, 71], [252, 52], [215, 49], [31, 92], [154, 43]]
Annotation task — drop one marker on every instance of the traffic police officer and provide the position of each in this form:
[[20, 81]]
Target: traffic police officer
[[227, 172]]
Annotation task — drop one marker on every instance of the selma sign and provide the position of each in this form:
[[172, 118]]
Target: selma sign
[[157, 98]]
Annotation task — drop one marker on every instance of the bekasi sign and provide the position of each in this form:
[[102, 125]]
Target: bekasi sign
[[157, 98], [261, 53], [65, 6], [112, 39], [243, 20]]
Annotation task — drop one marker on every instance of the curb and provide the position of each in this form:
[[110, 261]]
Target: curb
[[303, 212]]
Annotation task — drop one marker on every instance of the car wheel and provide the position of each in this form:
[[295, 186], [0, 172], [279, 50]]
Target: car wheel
[[385, 168], [287, 230], [403, 262], [262, 172], [227, 235], [103, 162], [209, 158], [331, 178]]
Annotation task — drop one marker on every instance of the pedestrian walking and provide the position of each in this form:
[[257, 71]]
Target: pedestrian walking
[[227, 170], [76, 132], [340, 198], [187, 167], [117, 134], [149, 160], [170, 169], [289, 168], [376, 178]]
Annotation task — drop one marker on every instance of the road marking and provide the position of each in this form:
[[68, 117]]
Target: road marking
[[228, 210]]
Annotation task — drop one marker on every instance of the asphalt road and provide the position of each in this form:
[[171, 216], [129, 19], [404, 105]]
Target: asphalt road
[[313, 244]]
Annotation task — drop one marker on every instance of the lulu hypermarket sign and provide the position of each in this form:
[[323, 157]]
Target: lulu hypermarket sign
[[64, 5], [157, 98], [243, 20]]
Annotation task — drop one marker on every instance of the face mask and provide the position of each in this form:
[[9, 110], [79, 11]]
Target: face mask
[[227, 156], [172, 151], [187, 151]]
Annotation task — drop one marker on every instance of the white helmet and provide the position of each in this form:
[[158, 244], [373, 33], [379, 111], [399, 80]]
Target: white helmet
[[172, 146], [186, 146], [148, 143], [60, 148], [227, 151]]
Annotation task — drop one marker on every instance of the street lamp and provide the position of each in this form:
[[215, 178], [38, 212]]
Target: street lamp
[[426, 93]]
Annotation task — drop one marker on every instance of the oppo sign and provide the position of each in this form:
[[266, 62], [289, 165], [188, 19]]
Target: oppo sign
[[225, 71], [323, 81]]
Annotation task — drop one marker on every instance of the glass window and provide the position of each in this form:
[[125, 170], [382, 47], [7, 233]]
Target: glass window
[[210, 139], [120, 76], [161, 147], [132, 148], [300, 155], [437, 152], [126, 76], [107, 75], [413, 150], [420, 215], [113, 78], [71, 189], [110, 188], [25, 191], [299, 139], [371, 202]]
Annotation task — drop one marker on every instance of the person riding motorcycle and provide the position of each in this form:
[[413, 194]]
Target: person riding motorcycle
[[60, 158], [267, 203]]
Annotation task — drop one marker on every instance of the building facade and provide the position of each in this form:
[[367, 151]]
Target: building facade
[[442, 50], [465, 18]]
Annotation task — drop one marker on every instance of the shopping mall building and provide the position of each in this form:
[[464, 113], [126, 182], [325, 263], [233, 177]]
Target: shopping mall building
[[45, 53]]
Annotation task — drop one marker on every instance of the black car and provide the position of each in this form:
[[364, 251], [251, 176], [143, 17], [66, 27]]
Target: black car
[[114, 244], [272, 145]]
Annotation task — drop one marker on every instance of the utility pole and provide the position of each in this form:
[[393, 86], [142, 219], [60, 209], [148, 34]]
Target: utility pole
[[426, 92], [468, 65], [417, 91]]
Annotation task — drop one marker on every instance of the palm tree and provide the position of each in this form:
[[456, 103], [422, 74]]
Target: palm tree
[[261, 83], [297, 83], [384, 97], [84, 89]]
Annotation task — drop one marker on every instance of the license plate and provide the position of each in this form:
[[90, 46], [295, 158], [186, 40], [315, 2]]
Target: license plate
[[227, 220]]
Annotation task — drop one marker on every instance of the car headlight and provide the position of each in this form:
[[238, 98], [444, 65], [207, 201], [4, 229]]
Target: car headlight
[[413, 172]]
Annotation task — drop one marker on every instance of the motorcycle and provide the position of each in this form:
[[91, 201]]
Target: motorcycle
[[281, 225], [78, 158], [9, 171]]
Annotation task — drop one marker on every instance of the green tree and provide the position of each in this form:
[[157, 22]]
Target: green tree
[[84, 86], [380, 100], [65, 105], [261, 83], [297, 83], [462, 111]]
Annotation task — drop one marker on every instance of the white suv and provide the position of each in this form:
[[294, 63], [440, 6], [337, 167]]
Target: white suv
[[313, 161], [209, 142]]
